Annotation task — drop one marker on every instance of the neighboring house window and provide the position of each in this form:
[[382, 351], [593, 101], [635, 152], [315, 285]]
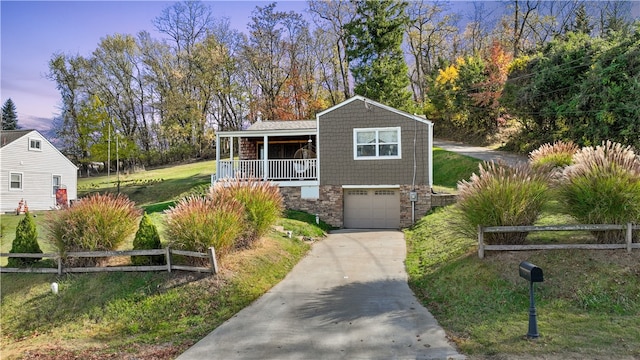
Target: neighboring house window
[[15, 181], [35, 144], [379, 143], [56, 180]]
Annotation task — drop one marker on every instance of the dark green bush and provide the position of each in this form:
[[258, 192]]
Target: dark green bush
[[603, 187], [26, 241], [147, 238], [502, 196], [95, 223]]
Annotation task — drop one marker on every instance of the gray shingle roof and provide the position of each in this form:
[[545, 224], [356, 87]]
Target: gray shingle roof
[[9, 136], [283, 125]]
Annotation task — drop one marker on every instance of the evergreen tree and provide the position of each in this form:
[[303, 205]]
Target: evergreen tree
[[375, 54], [9, 116], [147, 238], [582, 21], [26, 241]]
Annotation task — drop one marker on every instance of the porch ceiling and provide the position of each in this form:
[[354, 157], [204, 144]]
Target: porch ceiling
[[275, 128]]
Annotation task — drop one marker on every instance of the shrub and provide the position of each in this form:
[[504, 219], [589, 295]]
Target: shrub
[[263, 205], [26, 241], [147, 238], [556, 155], [502, 196], [197, 223], [95, 223], [603, 187]]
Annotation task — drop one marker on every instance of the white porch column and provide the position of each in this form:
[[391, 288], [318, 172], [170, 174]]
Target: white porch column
[[430, 155], [265, 161], [217, 156]]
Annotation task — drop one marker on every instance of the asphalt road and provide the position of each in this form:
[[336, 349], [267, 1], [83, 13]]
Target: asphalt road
[[478, 152]]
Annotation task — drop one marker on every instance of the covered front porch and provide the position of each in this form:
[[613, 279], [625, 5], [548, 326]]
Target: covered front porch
[[279, 151]]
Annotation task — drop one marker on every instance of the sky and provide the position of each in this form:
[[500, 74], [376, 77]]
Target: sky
[[31, 32]]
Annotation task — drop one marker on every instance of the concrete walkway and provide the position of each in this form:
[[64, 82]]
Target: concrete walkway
[[478, 152], [347, 299]]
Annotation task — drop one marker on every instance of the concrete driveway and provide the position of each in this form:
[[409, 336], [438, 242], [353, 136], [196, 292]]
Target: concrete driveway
[[347, 299]]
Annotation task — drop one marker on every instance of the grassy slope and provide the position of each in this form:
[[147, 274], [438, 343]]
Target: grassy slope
[[449, 168], [154, 315], [153, 186], [110, 314], [588, 306]]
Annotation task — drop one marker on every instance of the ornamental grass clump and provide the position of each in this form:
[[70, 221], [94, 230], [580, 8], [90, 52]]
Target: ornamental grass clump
[[263, 205], [95, 223], [502, 196], [603, 187], [556, 155], [196, 223]]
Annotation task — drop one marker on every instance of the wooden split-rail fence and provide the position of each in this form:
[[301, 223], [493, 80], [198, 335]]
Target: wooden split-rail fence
[[167, 252], [628, 245]]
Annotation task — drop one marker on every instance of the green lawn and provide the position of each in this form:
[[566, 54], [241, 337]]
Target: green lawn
[[449, 168], [158, 315], [588, 306], [149, 315], [152, 186]]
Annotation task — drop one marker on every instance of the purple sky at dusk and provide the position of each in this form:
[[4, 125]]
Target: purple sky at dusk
[[32, 31]]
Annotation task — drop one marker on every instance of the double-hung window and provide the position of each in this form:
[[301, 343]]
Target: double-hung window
[[35, 144], [15, 181], [376, 143], [56, 181]]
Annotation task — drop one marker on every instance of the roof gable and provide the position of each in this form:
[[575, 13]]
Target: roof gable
[[369, 102], [8, 137]]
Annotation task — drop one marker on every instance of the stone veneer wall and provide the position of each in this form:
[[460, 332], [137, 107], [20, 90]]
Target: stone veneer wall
[[328, 206], [443, 199], [422, 206], [248, 150]]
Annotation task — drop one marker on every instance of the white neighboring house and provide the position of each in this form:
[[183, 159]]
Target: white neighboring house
[[32, 169]]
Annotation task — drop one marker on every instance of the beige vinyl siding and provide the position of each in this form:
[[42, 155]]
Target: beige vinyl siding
[[336, 141]]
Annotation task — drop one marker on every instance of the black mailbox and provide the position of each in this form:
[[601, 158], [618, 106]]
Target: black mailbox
[[530, 272]]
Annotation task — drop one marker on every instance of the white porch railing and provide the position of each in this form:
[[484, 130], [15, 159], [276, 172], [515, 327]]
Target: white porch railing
[[274, 170]]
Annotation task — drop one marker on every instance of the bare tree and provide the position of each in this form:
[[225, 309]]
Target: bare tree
[[331, 16], [431, 35]]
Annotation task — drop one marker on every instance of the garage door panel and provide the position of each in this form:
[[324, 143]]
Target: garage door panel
[[372, 208]]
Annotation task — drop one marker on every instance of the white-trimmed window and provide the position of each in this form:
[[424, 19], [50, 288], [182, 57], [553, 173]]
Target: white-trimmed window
[[56, 181], [35, 144], [15, 181], [376, 143]]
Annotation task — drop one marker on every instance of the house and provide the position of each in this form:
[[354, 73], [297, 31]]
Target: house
[[359, 164], [34, 172]]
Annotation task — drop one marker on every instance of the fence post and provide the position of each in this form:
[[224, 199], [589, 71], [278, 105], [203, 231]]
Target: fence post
[[480, 242], [167, 257], [629, 236], [59, 265], [212, 258]]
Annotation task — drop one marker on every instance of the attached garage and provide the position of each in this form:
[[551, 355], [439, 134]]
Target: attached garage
[[372, 208]]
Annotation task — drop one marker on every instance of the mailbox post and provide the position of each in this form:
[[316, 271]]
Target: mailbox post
[[533, 274]]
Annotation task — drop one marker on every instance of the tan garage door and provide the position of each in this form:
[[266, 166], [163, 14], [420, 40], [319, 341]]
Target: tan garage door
[[371, 208]]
